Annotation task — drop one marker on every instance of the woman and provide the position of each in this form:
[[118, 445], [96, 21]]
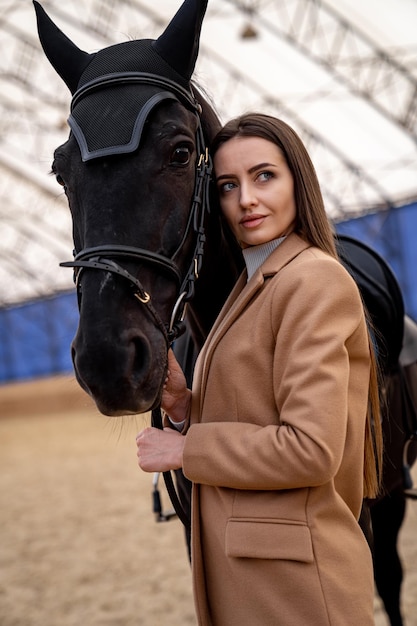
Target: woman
[[276, 435]]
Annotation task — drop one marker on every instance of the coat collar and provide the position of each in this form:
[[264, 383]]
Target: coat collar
[[241, 295], [244, 291], [283, 254]]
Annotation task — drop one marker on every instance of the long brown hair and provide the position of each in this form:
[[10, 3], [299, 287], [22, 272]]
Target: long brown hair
[[312, 224]]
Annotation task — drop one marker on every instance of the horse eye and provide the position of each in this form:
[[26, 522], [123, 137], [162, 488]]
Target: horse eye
[[180, 156], [58, 177]]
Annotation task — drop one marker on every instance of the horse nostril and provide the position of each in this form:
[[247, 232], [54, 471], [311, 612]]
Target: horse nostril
[[141, 361]]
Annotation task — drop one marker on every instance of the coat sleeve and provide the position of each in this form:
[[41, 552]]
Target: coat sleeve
[[319, 360]]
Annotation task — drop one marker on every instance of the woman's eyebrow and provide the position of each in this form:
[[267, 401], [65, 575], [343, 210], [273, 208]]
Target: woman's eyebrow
[[224, 176], [260, 166], [251, 170]]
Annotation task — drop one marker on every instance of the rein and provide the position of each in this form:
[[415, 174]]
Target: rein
[[105, 257]]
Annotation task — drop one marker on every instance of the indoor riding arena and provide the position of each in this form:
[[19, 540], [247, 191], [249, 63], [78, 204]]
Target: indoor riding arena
[[80, 544]]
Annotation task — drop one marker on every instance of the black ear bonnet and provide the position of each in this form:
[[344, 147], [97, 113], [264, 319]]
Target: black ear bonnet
[[117, 87], [108, 110]]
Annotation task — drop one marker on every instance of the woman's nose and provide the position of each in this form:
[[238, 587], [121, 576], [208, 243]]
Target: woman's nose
[[247, 196]]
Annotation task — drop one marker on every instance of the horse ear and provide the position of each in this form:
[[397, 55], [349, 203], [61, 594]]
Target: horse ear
[[68, 60], [178, 45]]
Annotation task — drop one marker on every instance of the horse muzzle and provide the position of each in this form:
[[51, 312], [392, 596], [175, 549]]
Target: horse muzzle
[[122, 373]]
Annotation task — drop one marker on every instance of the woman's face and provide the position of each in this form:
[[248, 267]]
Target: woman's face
[[256, 190]]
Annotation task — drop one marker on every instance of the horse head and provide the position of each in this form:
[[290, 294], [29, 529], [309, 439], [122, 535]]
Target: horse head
[[135, 170]]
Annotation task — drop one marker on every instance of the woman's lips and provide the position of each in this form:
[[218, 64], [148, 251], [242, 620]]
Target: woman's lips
[[251, 221]]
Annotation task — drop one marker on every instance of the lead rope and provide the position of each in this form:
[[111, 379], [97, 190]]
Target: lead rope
[[169, 484]]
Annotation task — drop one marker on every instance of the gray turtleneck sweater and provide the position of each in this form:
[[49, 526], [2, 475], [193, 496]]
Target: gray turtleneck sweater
[[256, 255]]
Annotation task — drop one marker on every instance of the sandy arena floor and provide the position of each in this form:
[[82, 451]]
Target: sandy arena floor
[[79, 544]]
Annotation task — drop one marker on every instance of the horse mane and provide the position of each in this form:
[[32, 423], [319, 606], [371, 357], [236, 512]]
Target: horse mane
[[210, 120]]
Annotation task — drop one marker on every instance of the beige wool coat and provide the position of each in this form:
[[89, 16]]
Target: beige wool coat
[[275, 450]]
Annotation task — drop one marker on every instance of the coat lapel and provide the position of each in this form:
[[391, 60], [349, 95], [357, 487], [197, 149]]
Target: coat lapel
[[237, 301]]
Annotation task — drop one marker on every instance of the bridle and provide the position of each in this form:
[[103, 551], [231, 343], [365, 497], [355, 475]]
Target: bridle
[[105, 257]]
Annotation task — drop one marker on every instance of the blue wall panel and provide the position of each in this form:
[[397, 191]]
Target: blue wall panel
[[35, 337]]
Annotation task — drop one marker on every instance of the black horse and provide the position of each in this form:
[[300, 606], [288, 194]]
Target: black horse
[[136, 171]]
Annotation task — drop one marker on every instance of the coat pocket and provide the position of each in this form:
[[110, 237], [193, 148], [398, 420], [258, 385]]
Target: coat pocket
[[266, 539]]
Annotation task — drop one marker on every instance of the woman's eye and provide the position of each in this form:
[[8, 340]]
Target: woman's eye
[[265, 176], [225, 187], [180, 156]]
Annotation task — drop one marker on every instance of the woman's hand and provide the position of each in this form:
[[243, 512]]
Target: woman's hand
[[176, 398], [160, 450]]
